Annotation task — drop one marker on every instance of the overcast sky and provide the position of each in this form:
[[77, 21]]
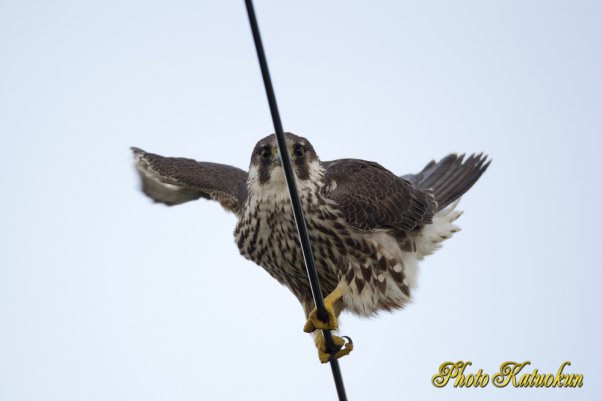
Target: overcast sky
[[106, 296]]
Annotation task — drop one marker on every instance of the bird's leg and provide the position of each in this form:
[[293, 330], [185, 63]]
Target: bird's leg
[[333, 304]]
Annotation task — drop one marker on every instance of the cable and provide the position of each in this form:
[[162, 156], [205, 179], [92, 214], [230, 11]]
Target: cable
[[296, 204]]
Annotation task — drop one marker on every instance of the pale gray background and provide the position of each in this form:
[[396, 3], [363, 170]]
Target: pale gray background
[[105, 296]]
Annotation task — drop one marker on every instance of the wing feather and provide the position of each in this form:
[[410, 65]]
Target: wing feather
[[371, 197], [175, 180], [451, 177]]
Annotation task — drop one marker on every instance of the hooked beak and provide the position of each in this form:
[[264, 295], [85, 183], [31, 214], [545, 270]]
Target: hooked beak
[[277, 159]]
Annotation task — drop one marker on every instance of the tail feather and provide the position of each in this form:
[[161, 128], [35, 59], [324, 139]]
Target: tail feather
[[451, 177]]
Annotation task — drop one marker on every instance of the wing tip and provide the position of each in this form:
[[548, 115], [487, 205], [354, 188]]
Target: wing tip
[[453, 175]]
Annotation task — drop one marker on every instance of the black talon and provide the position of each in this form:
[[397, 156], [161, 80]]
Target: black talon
[[337, 348]]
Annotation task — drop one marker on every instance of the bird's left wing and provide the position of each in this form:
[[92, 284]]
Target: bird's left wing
[[175, 180], [372, 198]]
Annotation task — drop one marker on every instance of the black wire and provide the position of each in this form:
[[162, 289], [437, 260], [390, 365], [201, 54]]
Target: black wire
[[294, 195]]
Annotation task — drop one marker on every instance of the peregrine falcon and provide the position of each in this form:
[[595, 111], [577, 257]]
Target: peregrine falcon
[[368, 227]]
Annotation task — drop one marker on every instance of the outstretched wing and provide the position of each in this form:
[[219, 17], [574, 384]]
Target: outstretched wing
[[371, 197], [450, 177], [175, 180]]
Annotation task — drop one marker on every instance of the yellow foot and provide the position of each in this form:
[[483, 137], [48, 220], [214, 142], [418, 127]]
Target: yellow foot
[[342, 347], [314, 323]]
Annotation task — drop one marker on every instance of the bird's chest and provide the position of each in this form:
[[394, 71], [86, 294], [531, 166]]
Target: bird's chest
[[267, 235]]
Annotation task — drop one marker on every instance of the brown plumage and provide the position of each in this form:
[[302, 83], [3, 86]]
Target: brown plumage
[[368, 227]]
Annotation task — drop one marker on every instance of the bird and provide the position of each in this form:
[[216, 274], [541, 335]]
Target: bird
[[368, 227]]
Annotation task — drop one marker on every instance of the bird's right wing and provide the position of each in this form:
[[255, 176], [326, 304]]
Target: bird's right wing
[[175, 180]]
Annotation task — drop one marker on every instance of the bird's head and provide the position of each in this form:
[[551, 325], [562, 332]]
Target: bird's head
[[266, 162]]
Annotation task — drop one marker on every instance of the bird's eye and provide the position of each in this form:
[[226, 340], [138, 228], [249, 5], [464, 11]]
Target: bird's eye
[[299, 150], [266, 152]]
